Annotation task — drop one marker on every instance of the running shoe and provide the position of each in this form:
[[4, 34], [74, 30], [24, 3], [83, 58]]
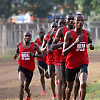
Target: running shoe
[[54, 96], [44, 93], [28, 98]]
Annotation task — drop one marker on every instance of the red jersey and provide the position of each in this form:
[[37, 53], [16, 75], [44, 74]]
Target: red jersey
[[40, 44], [49, 57], [78, 55], [62, 40], [57, 54], [25, 60]]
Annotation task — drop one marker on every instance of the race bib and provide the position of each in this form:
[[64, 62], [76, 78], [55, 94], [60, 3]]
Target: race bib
[[25, 56], [81, 46]]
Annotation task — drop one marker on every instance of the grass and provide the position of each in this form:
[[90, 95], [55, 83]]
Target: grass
[[93, 92], [6, 57]]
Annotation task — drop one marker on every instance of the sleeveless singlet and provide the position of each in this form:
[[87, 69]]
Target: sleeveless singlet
[[25, 61], [40, 44], [49, 57], [78, 55]]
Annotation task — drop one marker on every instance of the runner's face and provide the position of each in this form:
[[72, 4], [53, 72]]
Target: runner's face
[[61, 23], [70, 20], [27, 36], [54, 27], [41, 33], [56, 20], [79, 21]]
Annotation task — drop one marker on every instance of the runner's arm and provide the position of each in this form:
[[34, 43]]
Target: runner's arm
[[36, 48], [59, 34], [17, 52], [90, 42], [44, 47]]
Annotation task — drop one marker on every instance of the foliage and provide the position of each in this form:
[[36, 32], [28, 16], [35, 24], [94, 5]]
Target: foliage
[[5, 8], [70, 5], [95, 13], [42, 8], [84, 6]]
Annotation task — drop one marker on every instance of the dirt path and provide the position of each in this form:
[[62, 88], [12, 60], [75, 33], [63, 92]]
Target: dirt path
[[9, 83]]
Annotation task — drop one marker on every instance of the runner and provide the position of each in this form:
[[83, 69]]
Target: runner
[[57, 63], [50, 58], [55, 45], [26, 62], [42, 61], [75, 47]]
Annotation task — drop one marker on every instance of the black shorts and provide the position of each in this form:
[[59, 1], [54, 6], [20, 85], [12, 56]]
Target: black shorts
[[51, 69], [42, 66], [71, 73], [28, 74], [63, 69]]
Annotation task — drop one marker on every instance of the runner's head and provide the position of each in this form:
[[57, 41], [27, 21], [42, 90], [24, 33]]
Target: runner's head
[[70, 20], [79, 20], [61, 22], [56, 19], [41, 33], [54, 26], [27, 36]]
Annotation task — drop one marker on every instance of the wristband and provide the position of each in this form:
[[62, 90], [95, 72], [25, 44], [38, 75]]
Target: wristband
[[74, 44], [35, 55]]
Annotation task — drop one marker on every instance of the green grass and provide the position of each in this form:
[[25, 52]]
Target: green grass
[[6, 57], [93, 92]]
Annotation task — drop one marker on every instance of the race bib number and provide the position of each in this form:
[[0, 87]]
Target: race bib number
[[25, 56], [81, 46]]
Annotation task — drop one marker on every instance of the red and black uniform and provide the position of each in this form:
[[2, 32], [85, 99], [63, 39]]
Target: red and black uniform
[[78, 55], [25, 60], [26, 63], [77, 60], [41, 61], [57, 54], [50, 59]]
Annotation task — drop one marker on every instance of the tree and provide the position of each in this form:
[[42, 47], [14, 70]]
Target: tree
[[70, 6], [41, 8], [6, 8], [95, 13], [84, 6]]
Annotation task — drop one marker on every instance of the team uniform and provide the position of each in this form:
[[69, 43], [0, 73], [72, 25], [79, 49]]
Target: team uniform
[[41, 61], [63, 59], [26, 63], [50, 58], [77, 60]]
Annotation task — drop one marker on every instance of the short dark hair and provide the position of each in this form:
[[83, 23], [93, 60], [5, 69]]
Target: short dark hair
[[78, 14], [56, 18], [70, 13], [41, 29]]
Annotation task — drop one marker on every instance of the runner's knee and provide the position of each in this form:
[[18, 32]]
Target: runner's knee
[[69, 88], [83, 86]]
